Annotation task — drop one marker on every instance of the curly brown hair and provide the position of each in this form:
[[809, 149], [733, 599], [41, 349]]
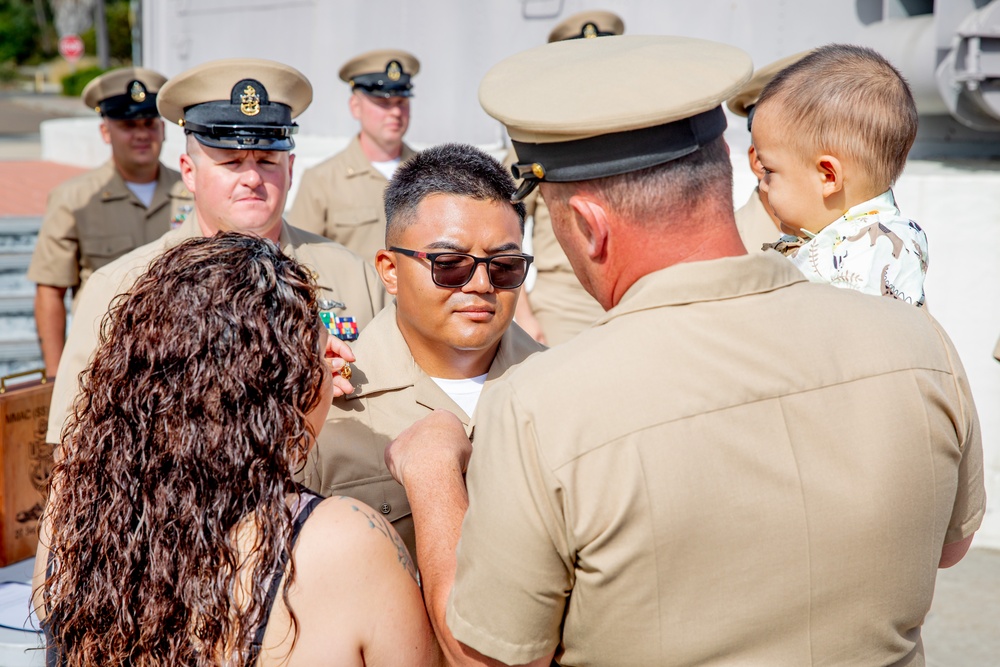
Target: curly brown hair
[[169, 510]]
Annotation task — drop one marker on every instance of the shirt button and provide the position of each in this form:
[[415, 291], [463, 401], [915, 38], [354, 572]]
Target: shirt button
[[385, 508]]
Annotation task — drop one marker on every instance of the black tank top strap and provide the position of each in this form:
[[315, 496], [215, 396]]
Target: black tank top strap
[[307, 504]]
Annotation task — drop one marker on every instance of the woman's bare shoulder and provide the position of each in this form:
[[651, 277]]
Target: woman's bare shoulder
[[352, 573], [348, 530]]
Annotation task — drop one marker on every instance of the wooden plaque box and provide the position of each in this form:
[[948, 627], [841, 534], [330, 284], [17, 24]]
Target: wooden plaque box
[[25, 464]]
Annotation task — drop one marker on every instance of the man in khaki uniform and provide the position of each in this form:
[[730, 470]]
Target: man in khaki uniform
[[238, 117], [95, 218], [755, 221], [435, 347], [558, 308], [680, 485], [341, 198]]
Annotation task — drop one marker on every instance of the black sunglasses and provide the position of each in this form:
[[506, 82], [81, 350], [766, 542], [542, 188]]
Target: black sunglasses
[[455, 269]]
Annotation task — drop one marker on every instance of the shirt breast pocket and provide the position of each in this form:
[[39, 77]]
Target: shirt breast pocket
[[354, 217], [100, 250]]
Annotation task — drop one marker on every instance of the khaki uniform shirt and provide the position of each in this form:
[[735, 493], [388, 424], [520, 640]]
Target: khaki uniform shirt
[[342, 277], [682, 485], [558, 300], [754, 224], [341, 199], [94, 219], [391, 392]]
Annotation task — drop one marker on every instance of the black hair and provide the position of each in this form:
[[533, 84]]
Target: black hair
[[451, 169]]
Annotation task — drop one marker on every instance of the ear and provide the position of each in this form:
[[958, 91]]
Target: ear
[[385, 264], [831, 174], [105, 131], [755, 166], [354, 104], [592, 221], [188, 169], [291, 163]]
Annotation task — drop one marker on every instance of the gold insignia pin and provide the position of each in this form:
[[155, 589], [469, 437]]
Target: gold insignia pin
[[346, 371], [589, 30], [137, 91], [394, 71], [250, 101], [538, 170]]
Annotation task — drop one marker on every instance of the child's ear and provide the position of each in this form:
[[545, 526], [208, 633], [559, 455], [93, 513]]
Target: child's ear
[[831, 174], [755, 166]]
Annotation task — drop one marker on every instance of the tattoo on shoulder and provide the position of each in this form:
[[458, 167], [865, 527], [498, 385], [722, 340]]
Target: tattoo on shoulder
[[381, 524]]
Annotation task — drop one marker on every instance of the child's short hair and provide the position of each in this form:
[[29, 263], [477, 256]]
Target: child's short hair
[[848, 99]]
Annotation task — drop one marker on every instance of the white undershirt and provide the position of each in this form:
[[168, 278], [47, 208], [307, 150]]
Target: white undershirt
[[464, 392], [387, 168], [144, 191]]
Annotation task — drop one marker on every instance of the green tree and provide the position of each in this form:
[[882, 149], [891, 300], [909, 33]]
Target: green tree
[[19, 31], [117, 14]]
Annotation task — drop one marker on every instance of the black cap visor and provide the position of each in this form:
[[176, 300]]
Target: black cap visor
[[614, 154], [221, 124], [244, 137], [123, 107], [380, 85]]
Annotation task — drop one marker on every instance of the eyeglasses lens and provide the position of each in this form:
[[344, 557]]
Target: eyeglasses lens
[[506, 272]]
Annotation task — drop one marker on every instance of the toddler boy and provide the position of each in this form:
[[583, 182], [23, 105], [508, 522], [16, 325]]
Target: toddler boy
[[832, 132]]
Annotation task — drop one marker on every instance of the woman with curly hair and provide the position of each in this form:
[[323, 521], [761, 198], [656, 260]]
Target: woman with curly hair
[[174, 533]]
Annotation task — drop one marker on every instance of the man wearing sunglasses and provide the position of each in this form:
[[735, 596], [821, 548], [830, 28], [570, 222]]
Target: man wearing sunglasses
[[453, 261]]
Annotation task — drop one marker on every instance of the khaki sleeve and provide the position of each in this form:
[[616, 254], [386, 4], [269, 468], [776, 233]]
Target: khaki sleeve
[[56, 260], [308, 211], [514, 569], [970, 495], [81, 343]]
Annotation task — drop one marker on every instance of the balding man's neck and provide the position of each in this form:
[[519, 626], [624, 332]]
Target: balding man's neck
[[645, 249]]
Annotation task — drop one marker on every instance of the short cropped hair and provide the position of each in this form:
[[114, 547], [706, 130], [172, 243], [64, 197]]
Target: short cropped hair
[[849, 100], [450, 169], [651, 195]]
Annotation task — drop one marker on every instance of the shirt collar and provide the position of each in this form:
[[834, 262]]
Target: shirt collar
[[357, 162], [385, 362], [115, 188], [712, 280], [885, 203], [878, 207]]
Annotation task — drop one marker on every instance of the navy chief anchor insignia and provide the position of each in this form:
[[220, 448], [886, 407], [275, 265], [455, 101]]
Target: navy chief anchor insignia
[[250, 101]]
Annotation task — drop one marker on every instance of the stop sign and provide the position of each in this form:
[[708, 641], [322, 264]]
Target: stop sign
[[71, 47]]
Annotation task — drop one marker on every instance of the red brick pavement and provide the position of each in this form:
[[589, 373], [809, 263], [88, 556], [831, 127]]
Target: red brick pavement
[[25, 186]]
